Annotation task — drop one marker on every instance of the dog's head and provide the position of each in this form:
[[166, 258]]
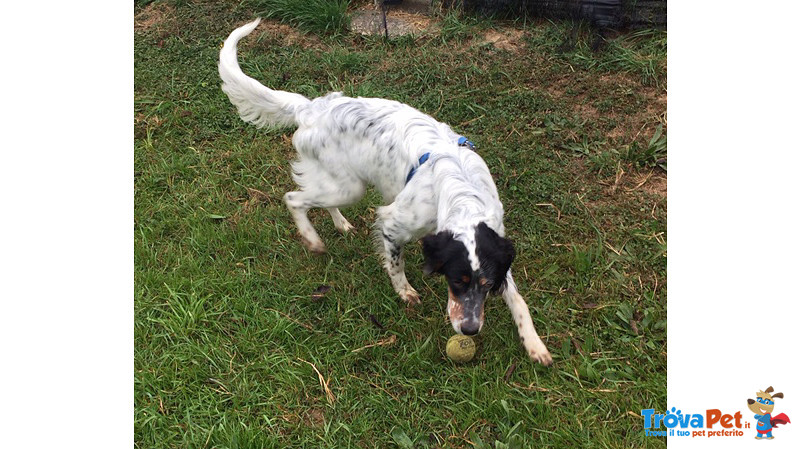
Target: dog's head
[[474, 264], [764, 402]]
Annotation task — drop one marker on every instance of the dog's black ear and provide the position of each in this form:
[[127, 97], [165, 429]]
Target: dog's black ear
[[496, 254], [433, 248]]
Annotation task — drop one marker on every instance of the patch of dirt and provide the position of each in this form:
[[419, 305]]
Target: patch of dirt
[[142, 122], [644, 121], [418, 21], [155, 15], [586, 110], [286, 35], [632, 180], [255, 199], [400, 21], [315, 418], [637, 126], [656, 185], [509, 39], [565, 87], [630, 185]]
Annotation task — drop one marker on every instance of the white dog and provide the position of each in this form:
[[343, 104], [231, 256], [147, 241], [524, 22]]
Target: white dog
[[436, 187]]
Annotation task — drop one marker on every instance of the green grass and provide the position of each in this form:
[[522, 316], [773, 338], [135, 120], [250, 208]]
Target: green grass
[[227, 335], [654, 153], [325, 16], [641, 53], [455, 26]]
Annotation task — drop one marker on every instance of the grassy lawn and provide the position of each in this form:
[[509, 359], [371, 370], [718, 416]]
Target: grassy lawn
[[233, 351]]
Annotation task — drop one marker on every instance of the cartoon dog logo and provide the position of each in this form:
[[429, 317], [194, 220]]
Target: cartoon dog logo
[[762, 407]]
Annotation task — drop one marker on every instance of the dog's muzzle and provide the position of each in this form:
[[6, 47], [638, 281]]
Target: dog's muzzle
[[466, 313]]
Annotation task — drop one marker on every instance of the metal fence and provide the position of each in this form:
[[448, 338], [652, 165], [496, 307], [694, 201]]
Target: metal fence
[[601, 13]]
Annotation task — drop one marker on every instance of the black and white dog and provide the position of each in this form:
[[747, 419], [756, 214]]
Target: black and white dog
[[436, 187]]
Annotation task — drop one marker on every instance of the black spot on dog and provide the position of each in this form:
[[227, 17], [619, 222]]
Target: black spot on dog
[[495, 254], [394, 249], [445, 255]]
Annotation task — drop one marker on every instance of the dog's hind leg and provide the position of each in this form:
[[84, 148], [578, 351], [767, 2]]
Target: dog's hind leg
[[299, 203], [391, 238], [339, 221], [326, 191], [522, 317]]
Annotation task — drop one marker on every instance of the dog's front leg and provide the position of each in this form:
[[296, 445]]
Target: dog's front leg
[[394, 264], [392, 238], [522, 317]]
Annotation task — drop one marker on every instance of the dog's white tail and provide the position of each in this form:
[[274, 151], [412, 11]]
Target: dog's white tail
[[257, 104]]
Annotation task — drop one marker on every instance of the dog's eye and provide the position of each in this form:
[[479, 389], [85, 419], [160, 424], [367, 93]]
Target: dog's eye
[[461, 281]]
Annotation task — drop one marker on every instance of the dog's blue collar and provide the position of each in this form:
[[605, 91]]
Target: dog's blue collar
[[422, 160], [462, 142]]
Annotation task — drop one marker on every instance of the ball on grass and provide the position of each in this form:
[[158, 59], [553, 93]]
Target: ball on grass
[[460, 348]]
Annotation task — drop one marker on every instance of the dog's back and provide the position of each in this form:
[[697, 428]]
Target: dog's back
[[365, 140]]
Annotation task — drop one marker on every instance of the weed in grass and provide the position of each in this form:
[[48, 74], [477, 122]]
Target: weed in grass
[[342, 62], [604, 162], [320, 16], [652, 155], [641, 53], [585, 147], [586, 262], [456, 26]]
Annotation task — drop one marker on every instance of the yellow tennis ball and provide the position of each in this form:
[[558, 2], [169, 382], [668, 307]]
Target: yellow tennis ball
[[460, 348]]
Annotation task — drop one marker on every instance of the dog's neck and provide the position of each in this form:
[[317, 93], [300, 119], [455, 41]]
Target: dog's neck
[[466, 194], [462, 210]]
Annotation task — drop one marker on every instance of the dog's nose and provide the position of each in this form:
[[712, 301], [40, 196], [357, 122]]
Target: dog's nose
[[470, 327]]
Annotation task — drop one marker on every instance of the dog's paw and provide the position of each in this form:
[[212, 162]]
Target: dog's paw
[[316, 247], [541, 355], [535, 348], [410, 296], [345, 227]]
